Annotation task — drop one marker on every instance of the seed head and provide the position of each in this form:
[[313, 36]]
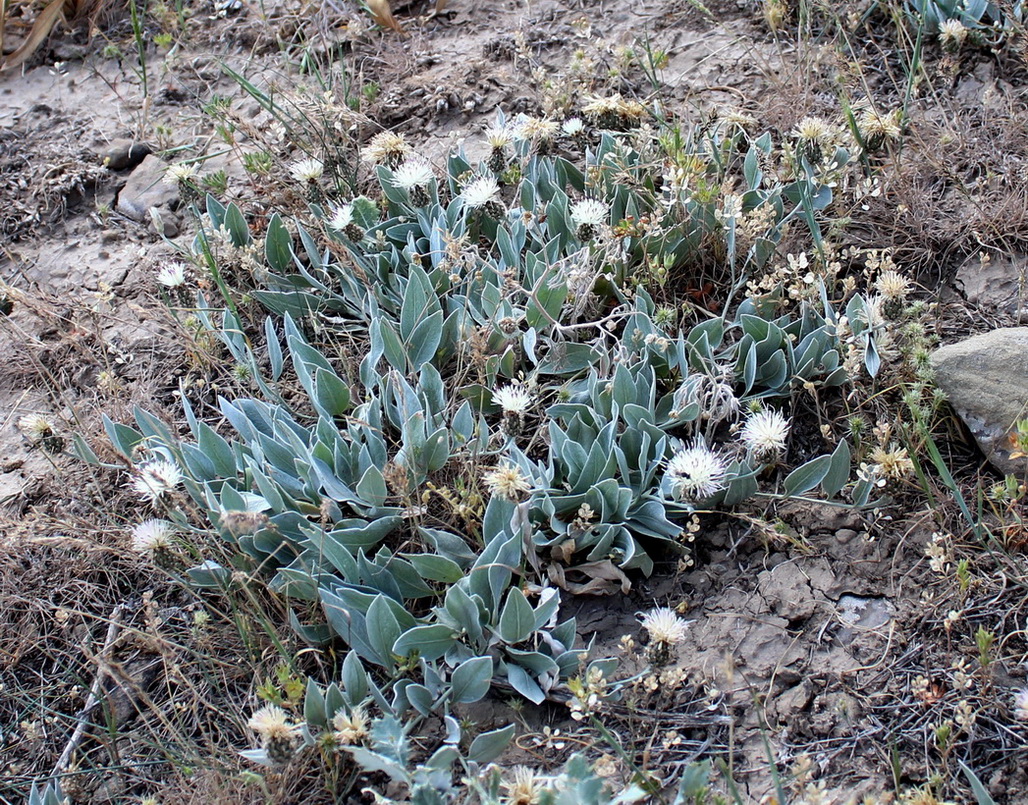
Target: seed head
[[536, 128], [350, 728]]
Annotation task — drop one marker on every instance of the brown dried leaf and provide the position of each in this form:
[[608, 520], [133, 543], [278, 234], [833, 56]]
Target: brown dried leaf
[[383, 15]]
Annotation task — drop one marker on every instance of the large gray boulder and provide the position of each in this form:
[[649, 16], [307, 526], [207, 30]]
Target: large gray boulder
[[986, 381]]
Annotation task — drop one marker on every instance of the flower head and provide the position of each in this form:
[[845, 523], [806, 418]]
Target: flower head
[[350, 728], [952, 34], [172, 275], [480, 192], [341, 218], [765, 432], [814, 129], [307, 170], [386, 147], [664, 626], [525, 786], [573, 126], [413, 173], [536, 128], [894, 463], [498, 137], [892, 285], [179, 172], [1021, 704], [507, 481], [36, 427], [513, 399], [696, 473], [151, 536], [877, 129], [271, 721], [156, 478], [589, 212]]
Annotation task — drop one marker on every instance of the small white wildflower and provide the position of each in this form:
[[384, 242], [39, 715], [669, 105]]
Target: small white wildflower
[[1021, 705], [764, 433], [172, 275], [589, 212], [386, 147], [664, 626], [892, 285], [512, 399], [341, 218], [952, 34], [696, 473], [156, 478], [35, 427], [507, 481], [480, 192], [525, 787], [573, 126], [498, 137], [271, 721], [350, 728], [412, 173], [731, 207], [179, 172], [307, 170], [536, 128], [150, 536]]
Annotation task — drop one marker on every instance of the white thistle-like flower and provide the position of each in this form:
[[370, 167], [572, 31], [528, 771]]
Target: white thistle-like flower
[[573, 126], [156, 478], [525, 786], [483, 190], [386, 147], [413, 173], [764, 433], [507, 481], [307, 170], [892, 285], [664, 626], [536, 128], [271, 722], [696, 473], [350, 728], [498, 137], [952, 34], [1021, 705], [815, 130], [35, 427], [172, 275], [341, 218], [152, 535], [179, 172], [513, 399], [589, 212]]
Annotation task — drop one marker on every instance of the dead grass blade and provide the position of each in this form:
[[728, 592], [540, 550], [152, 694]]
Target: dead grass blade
[[56, 11], [383, 15]]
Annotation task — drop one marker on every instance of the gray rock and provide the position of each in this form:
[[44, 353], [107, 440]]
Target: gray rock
[[144, 189], [123, 154], [998, 284], [986, 381]]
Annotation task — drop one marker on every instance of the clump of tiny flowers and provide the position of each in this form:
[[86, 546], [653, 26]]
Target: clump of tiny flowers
[[156, 478], [152, 536], [587, 694], [696, 473], [588, 215], [279, 737], [386, 148], [764, 433], [507, 481]]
